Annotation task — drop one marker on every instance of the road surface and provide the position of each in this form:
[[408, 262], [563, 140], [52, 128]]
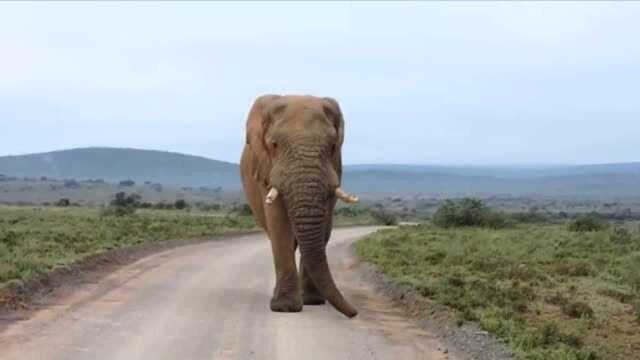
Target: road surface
[[211, 301]]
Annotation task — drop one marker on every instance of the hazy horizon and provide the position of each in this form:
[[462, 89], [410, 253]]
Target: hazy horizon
[[474, 84], [364, 164]]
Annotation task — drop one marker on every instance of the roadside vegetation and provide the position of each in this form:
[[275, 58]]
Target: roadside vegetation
[[45, 191], [362, 215], [35, 240], [552, 289]]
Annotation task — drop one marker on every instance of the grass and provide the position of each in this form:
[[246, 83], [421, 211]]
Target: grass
[[34, 241], [549, 292], [37, 240]]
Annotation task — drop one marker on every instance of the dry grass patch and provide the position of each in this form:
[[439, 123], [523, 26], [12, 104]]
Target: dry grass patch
[[34, 240], [551, 293]]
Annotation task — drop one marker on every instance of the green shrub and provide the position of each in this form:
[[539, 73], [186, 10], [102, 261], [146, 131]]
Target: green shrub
[[118, 211], [586, 223], [163, 206], [620, 235], [63, 203], [530, 217], [181, 204], [204, 206], [384, 217], [468, 212], [496, 220], [242, 210], [123, 200], [350, 211], [123, 205], [145, 205]]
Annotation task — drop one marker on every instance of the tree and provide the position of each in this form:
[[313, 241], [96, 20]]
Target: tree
[[122, 199], [63, 202], [587, 223], [181, 204], [384, 217], [123, 204], [468, 212]]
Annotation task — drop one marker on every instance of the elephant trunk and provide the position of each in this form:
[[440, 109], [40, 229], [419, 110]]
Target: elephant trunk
[[306, 199]]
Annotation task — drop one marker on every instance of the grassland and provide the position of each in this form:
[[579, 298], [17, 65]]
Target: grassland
[[95, 193], [549, 292], [34, 240], [37, 240]]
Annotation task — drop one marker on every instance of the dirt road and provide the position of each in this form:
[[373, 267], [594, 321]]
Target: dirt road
[[210, 301]]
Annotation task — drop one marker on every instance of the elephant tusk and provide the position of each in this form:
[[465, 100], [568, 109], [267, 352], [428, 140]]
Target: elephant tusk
[[271, 196], [348, 198]]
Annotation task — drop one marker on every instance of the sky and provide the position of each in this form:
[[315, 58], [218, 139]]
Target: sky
[[419, 83]]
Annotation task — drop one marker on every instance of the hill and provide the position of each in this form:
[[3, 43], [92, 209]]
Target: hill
[[508, 172], [592, 185], [114, 164]]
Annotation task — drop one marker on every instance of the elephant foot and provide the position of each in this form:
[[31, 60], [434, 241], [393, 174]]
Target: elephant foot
[[313, 299], [286, 304]]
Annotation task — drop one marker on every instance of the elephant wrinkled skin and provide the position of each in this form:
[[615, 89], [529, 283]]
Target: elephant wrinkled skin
[[291, 170]]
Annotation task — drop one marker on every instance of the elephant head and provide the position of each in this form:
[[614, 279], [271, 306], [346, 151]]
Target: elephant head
[[296, 143]]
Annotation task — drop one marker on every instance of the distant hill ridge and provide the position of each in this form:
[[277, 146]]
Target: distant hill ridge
[[533, 171], [115, 164]]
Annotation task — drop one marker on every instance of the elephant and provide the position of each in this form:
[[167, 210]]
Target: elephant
[[291, 169]]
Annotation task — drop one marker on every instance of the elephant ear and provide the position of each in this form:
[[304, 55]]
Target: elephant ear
[[332, 111], [257, 125]]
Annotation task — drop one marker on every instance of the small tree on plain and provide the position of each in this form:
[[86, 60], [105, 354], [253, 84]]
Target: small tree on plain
[[181, 204], [63, 202]]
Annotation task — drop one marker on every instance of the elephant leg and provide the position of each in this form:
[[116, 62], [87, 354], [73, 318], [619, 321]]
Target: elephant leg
[[286, 295], [310, 293]]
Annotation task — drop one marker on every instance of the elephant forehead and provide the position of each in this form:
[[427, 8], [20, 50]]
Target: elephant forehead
[[304, 108], [305, 121]]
